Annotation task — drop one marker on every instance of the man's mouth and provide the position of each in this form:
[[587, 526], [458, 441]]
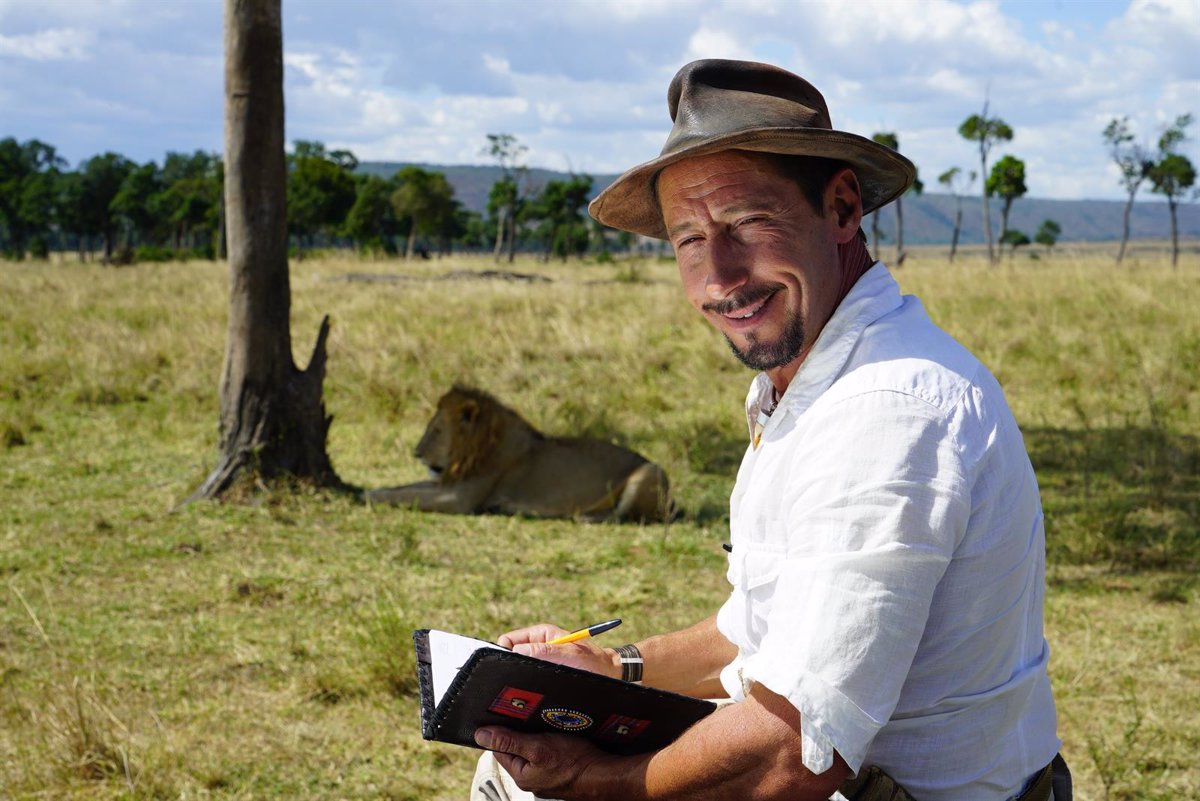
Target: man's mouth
[[746, 312], [742, 309]]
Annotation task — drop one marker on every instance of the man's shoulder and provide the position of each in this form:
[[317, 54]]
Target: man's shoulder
[[905, 353]]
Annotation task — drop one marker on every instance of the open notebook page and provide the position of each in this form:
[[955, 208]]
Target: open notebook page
[[449, 652]]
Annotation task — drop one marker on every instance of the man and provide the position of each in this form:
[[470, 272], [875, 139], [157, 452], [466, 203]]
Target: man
[[883, 635]]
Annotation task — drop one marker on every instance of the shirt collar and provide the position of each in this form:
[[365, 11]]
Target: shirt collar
[[873, 295]]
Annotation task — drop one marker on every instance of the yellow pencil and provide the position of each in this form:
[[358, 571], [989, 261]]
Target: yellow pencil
[[590, 631]]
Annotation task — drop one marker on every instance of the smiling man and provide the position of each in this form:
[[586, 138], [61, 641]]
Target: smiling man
[[883, 634]]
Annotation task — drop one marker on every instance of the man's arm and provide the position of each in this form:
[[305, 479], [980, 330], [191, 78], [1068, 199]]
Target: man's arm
[[687, 661], [749, 751]]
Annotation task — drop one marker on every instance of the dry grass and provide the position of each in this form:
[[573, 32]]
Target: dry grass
[[261, 650]]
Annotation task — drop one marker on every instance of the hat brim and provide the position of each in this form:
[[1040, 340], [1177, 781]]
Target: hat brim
[[629, 203]]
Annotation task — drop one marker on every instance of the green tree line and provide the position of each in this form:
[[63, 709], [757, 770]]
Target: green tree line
[[124, 211]]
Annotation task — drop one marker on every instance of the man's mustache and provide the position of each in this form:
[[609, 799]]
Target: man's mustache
[[741, 299]]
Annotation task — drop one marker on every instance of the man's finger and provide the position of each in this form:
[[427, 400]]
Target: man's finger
[[507, 741]]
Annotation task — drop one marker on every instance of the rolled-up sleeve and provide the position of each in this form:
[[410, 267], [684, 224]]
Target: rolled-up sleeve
[[873, 509]]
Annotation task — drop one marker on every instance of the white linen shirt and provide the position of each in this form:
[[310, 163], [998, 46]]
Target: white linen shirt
[[888, 559]]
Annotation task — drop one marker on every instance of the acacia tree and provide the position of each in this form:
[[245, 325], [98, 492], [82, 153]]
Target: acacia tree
[[1172, 174], [1008, 182], [1134, 163], [426, 200], [273, 421], [1048, 234], [954, 182], [987, 131], [504, 197]]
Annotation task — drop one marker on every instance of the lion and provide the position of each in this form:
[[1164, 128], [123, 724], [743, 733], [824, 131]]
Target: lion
[[485, 458]]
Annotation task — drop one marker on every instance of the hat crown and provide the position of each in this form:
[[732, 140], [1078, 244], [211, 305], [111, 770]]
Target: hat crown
[[714, 97]]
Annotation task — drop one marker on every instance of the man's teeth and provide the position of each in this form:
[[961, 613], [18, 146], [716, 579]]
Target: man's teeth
[[750, 311]]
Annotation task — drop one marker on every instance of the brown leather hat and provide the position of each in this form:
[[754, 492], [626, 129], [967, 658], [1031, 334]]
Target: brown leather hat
[[741, 105]]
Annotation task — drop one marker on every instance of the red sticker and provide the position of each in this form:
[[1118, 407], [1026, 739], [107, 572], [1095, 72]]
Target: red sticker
[[515, 703], [620, 727]]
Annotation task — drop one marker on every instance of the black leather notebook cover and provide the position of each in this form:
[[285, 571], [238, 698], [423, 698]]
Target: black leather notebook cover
[[502, 688]]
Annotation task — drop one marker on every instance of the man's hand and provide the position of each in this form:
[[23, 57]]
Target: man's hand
[[548, 765], [583, 654]]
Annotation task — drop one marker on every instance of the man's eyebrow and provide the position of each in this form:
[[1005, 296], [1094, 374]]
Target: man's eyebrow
[[734, 209], [678, 228]]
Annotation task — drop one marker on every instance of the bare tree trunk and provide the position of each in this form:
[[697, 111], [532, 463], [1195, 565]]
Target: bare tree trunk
[[987, 215], [1004, 218], [1174, 233], [1125, 231], [513, 235], [273, 421], [957, 229], [501, 230], [875, 233], [900, 254], [412, 243]]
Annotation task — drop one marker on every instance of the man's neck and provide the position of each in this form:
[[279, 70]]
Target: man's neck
[[855, 261]]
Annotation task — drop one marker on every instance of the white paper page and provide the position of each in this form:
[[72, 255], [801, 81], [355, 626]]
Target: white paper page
[[449, 652]]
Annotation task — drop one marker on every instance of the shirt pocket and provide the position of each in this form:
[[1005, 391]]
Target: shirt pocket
[[753, 571]]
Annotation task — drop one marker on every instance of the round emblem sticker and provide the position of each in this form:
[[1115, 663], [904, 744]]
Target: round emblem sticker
[[566, 719]]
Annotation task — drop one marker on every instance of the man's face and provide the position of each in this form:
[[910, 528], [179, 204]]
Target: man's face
[[754, 257]]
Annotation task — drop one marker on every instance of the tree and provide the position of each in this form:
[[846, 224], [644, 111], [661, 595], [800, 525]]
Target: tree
[[557, 209], [505, 197], [1172, 174], [426, 200], [953, 180], [371, 222], [1008, 181], [134, 204], [1048, 234], [191, 199], [1015, 238], [888, 139], [320, 190], [1134, 164], [987, 131], [29, 174], [273, 421], [102, 178]]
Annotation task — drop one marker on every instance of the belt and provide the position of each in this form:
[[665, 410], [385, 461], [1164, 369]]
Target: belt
[[872, 784]]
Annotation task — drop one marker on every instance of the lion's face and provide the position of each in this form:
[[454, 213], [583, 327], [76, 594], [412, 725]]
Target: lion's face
[[452, 440]]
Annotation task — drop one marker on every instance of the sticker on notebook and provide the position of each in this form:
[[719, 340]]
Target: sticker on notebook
[[515, 703], [567, 719], [621, 727]]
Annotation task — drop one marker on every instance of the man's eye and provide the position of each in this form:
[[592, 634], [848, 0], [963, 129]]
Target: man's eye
[[750, 220], [689, 240]]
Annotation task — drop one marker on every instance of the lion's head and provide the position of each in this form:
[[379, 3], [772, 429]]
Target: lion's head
[[464, 431]]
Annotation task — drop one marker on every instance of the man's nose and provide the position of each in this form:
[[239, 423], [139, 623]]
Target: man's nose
[[727, 268]]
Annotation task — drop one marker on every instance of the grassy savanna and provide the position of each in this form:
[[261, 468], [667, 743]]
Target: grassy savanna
[[261, 649]]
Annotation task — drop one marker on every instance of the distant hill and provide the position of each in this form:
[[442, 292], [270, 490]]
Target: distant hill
[[928, 218]]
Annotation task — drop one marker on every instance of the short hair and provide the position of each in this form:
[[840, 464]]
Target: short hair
[[812, 174]]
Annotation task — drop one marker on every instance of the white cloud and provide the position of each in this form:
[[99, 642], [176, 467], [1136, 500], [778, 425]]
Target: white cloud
[[584, 83], [55, 44]]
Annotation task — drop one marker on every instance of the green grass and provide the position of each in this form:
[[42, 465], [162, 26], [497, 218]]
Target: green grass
[[262, 649]]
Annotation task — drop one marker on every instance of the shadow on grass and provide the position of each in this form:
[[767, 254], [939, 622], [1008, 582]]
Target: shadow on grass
[[1127, 496]]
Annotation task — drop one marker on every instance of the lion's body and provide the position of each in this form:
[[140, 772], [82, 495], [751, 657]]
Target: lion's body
[[487, 459]]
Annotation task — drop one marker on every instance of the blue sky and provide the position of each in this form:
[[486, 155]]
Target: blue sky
[[583, 82]]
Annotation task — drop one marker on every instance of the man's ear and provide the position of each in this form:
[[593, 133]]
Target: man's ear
[[843, 203]]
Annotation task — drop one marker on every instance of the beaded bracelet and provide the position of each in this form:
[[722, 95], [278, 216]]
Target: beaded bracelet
[[631, 662]]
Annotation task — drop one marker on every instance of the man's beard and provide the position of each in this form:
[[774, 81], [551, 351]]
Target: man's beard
[[760, 355]]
